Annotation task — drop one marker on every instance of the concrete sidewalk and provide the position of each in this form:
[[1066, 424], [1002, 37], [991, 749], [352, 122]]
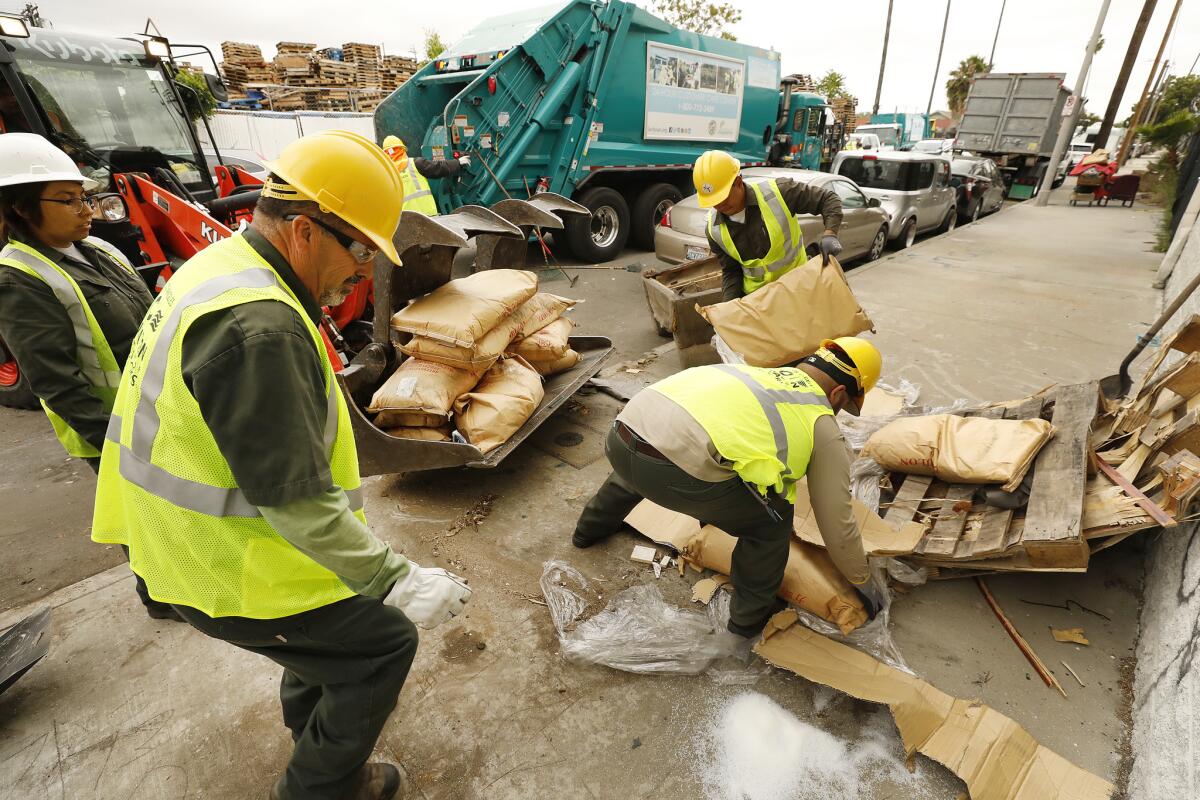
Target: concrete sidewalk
[[128, 707]]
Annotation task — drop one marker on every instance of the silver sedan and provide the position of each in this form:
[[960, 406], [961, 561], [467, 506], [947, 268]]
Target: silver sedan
[[680, 236]]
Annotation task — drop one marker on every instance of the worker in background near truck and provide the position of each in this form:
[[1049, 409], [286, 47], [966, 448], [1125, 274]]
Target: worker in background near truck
[[415, 170], [230, 467], [70, 303], [752, 227], [726, 444]]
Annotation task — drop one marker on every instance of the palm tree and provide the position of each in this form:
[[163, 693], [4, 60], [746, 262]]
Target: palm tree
[[832, 86], [959, 84]]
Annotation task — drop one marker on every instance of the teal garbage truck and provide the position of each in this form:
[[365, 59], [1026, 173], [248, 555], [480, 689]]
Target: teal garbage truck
[[596, 100], [897, 131]]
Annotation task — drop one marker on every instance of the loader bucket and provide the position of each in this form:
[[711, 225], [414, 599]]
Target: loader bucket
[[23, 645], [540, 211]]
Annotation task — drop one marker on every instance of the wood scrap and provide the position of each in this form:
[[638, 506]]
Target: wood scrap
[[1073, 675], [1069, 635], [1149, 506], [1037, 663]]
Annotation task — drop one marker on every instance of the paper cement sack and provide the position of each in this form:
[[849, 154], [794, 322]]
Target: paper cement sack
[[960, 449], [548, 344], [480, 356], [547, 368], [462, 311], [542, 309], [439, 434], [786, 320], [501, 403], [420, 394]]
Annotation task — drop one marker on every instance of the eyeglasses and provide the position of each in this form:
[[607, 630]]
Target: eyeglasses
[[361, 253], [76, 204]]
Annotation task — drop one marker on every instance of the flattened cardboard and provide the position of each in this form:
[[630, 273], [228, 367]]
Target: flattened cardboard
[[879, 538], [995, 756]]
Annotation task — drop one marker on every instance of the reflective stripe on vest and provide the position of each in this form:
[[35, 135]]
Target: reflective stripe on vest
[[93, 355], [417, 195], [786, 250]]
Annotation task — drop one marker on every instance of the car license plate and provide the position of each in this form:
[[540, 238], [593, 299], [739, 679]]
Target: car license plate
[[695, 253]]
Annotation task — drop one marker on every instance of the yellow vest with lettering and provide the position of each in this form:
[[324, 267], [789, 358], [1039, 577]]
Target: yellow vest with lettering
[[787, 240], [759, 419], [417, 196], [165, 489]]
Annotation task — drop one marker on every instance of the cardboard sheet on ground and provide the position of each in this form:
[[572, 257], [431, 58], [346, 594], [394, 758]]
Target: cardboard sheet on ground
[[810, 579], [786, 320], [996, 757], [879, 538]]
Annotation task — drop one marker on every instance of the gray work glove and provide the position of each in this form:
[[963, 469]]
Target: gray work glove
[[830, 246]]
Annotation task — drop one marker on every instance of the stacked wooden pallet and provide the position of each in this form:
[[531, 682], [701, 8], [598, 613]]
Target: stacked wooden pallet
[[241, 53], [335, 73], [366, 60], [804, 83], [844, 111], [395, 70]]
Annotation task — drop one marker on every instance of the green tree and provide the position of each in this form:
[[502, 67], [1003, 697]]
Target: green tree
[[434, 46], [1171, 135], [959, 84], [1179, 92], [197, 97], [832, 85], [1088, 119], [700, 16]]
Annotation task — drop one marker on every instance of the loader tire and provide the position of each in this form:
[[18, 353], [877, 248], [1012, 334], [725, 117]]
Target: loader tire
[[601, 236]]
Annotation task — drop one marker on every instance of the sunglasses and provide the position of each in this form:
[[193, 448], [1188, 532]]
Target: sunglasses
[[361, 253]]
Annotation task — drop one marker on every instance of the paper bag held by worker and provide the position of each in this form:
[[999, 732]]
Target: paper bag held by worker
[[419, 394], [462, 311], [547, 368], [787, 319], [960, 449], [548, 344], [501, 403], [480, 356]]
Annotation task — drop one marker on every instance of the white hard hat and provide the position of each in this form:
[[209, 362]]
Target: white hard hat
[[30, 158]]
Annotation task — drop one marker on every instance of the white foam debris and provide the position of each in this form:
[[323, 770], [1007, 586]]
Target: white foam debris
[[754, 749]]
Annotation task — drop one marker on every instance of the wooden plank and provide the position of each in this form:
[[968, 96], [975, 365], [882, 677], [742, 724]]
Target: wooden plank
[[1148, 505], [1060, 475], [992, 531], [904, 507], [942, 540], [1030, 408]]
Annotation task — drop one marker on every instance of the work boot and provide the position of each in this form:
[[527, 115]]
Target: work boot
[[374, 781], [753, 630], [163, 611]]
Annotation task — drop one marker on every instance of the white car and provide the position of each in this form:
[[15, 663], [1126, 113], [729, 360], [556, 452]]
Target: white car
[[935, 146]]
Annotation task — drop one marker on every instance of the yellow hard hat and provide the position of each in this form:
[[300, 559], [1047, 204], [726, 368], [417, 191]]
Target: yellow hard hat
[[857, 358], [350, 177], [713, 175], [390, 141]]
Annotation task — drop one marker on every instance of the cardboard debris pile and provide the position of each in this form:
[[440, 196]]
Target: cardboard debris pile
[[477, 349], [1112, 469]]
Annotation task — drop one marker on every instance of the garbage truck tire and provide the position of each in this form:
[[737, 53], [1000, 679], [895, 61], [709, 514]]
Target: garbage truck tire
[[602, 236], [654, 201]]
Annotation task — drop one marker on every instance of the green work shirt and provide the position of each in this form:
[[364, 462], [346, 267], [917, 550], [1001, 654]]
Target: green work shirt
[[37, 330], [751, 238]]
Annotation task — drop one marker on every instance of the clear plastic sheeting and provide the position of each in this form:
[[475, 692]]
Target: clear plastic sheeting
[[741, 668], [865, 475], [726, 353], [874, 638], [857, 430], [901, 572], [638, 631]]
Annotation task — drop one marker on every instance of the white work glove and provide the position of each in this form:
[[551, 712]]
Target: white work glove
[[429, 596], [464, 161]]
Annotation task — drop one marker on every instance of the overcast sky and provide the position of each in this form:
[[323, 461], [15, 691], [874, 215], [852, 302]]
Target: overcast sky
[[1036, 35]]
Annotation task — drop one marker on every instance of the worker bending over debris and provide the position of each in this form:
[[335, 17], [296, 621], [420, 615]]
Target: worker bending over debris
[[230, 468], [752, 227], [726, 444], [415, 170], [70, 303]]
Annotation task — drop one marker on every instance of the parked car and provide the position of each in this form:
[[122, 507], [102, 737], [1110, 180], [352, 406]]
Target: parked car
[[937, 146], [914, 188], [680, 236], [248, 160], [981, 186]]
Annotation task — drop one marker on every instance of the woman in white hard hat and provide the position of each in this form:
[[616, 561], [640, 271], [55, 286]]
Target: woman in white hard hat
[[70, 304]]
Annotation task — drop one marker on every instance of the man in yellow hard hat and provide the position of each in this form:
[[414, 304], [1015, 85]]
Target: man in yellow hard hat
[[752, 227], [415, 170], [230, 471], [727, 444]]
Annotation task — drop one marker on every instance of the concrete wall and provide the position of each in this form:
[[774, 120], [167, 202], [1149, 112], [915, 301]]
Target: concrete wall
[[1166, 696]]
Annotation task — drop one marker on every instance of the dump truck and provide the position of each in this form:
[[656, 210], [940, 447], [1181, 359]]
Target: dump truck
[[598, 101], [1013, 118]]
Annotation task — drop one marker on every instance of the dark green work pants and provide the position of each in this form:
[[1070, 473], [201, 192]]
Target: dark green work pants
[[343, 667], [762, 546]]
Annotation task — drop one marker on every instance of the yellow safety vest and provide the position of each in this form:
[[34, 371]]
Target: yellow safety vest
[[759, 419], [165, 489], [92, 351], [787, 240], [417, 196]]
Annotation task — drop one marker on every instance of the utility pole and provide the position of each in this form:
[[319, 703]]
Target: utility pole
[[1068, 121], [1131, 132], [1155, 93], [992, 57], [1118, 92], [936, 69], [887, 32]]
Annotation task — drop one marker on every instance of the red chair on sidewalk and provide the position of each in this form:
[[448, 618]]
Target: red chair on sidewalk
[[1124, 188]]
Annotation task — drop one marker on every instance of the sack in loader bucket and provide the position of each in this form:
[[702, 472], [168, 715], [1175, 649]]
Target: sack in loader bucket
[[543, 308], [549, 344], [479, 357], [547, 368], [500, 404], [420, 394], [439, 434], [462, 311], [787, 319], [960, 449]]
